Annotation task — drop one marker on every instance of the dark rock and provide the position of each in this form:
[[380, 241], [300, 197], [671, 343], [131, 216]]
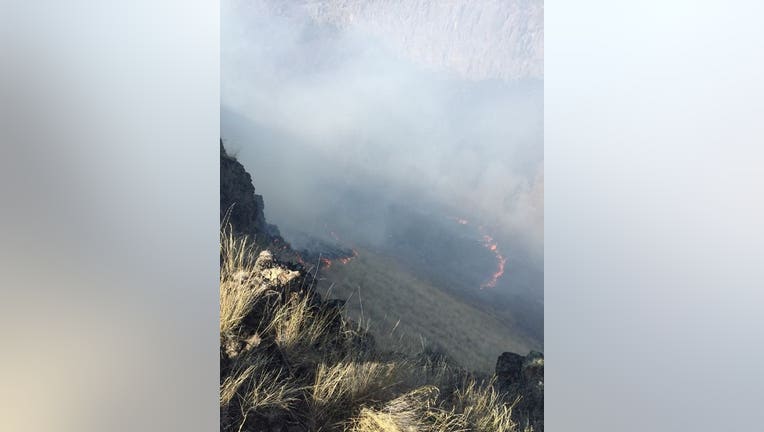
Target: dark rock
[[523, 376], [243, 210], [509, 367], [239, 205]]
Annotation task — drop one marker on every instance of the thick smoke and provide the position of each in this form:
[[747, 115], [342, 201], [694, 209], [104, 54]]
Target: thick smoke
[[315, 109]]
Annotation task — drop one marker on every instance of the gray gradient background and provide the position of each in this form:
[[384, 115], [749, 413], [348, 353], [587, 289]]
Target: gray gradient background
[[653, 242], [109, 221]]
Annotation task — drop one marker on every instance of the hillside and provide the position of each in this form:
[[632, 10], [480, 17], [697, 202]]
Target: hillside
[[406, 309], [291, 360]]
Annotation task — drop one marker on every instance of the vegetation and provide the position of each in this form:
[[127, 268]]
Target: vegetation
[[390, 295], [290, 361]]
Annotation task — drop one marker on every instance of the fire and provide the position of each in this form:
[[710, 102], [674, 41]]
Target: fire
[[341, 259], [327, 263], [490, 244], [498, 274], [347, 259]]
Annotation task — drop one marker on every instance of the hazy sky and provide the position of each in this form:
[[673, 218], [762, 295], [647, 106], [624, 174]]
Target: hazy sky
[[309, 103]]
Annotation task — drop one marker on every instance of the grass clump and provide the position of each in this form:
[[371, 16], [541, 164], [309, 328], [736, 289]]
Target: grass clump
[[301, 329], [240, 288], [477, 408], [342, 389], [260, 388], [406, 413]]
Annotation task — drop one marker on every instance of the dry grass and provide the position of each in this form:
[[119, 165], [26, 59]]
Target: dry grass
[[300, 328], [240, 288], [478, 408], [340, 390], [311, 368], [259, 388], [474, 409], [406, 413]]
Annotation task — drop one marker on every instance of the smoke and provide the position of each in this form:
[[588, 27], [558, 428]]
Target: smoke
[[319, 112]]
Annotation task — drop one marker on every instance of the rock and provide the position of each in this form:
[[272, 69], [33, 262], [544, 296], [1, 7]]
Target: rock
[[523, 376], [243, 210], [509, 367], [264, 260], [239, 204]]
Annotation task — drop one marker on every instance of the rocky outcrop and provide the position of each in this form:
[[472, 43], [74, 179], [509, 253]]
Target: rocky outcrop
[[239, 205], [524, 376], [242, 209], [284, 288]]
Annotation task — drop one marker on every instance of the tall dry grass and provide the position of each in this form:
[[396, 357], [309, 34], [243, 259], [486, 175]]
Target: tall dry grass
[[240, 285], [340, 390], [408, 412], [259, 387], [300, 328], [316, 370]]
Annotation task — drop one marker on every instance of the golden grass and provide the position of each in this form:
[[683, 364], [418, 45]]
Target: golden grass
[[259, 387], [258, 390], [240, 287], [299, 327], [320, 376], [480, 409], [475, 409], [406, 413], [339, 390]]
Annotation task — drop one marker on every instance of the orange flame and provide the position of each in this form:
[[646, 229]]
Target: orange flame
[[347, 259], [327, 263], [498, 274], [343, 260], [493, 246]]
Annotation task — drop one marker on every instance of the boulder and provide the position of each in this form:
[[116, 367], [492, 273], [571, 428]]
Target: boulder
[[523, 376]]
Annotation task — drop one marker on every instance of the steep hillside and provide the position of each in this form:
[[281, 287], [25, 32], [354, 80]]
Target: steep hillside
[[405, 309], [292, 361]]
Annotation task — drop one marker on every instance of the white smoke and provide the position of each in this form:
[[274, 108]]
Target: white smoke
[[312, 92]]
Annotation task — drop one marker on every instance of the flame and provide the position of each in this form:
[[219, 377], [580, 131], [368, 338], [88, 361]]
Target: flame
[[490, 244], [498, 274], [342, 260], [347, 259], [327, 263], [501, 262]]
